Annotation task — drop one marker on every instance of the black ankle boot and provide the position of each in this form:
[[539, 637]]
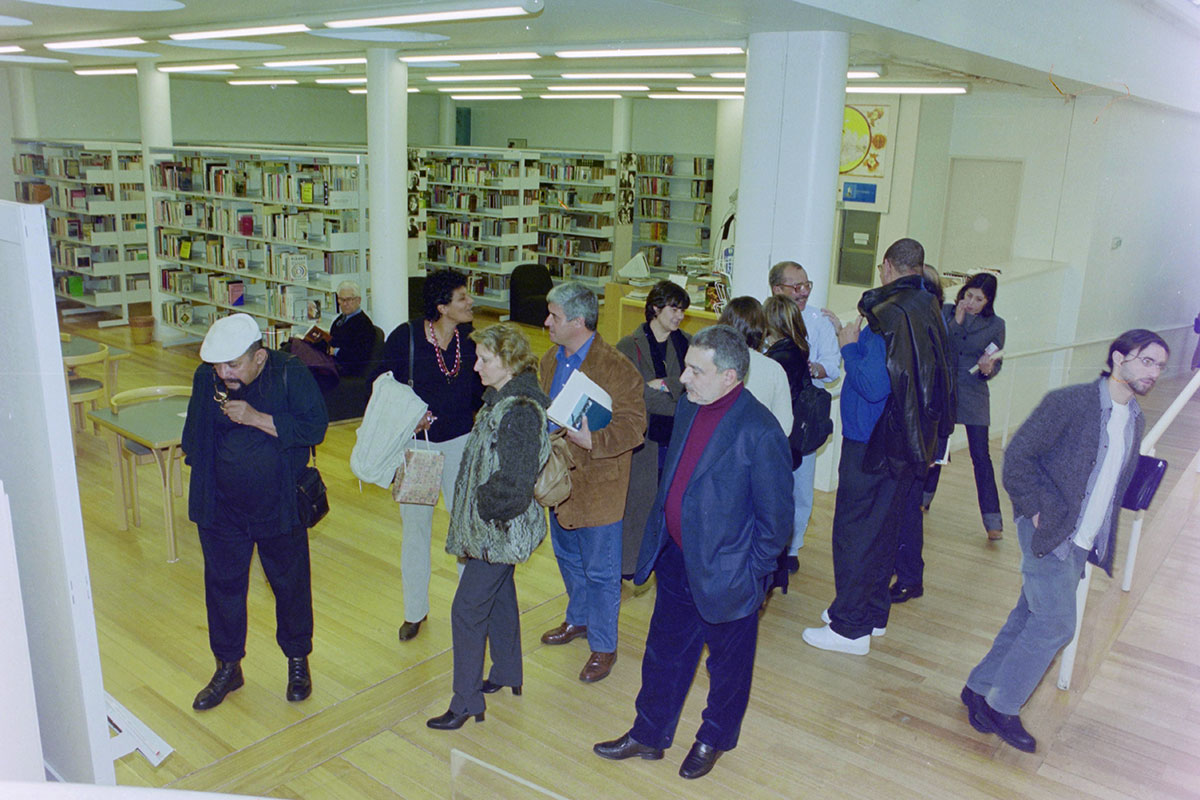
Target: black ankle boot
[[299, 685], [227, 678], [451, 721]]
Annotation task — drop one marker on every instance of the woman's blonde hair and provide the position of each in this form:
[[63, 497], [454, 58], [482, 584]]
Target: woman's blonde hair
[[509, 343], [784, 320]]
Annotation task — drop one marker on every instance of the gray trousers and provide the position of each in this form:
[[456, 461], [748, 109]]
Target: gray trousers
[[1042, 623], [484, 613]]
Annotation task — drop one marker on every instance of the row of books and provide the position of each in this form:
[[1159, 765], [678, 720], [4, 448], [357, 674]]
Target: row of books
[[474, 170], [583, 171], [77, 228], [658, 209], [184, 313], [473, 229], [277, 181], [662, 164], [569, 222], [286, 262], [488, 283], [589, 269], [80, 285], [566, 199], [657, 232], [660, 187], [76, 197], [452, 254], [701, 189], [254, 220], [559, 246], [449, 198]]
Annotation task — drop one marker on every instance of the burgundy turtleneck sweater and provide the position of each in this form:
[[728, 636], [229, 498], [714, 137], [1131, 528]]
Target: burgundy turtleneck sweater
[[703, 426]]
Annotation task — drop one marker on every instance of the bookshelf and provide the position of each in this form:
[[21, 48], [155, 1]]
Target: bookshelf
[[268, 233], [481, 215], [577, 199], [672, 207], [94, 196]]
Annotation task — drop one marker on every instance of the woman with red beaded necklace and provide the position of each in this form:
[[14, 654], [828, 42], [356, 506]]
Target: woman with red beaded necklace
[[442, 374]]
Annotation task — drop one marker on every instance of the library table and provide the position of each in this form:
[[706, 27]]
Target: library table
[[79, 346], [158, 426]]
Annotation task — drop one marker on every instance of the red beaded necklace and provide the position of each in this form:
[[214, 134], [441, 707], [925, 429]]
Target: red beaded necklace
[[431, 337]]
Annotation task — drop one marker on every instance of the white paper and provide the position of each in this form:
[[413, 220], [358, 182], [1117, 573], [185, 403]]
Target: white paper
[[576, 393], [680, 280], [635, 267]]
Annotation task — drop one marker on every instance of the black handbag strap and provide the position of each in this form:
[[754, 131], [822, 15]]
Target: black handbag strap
[[411, 351]]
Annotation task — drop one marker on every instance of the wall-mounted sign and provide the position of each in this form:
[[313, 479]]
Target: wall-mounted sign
[[865, 169]]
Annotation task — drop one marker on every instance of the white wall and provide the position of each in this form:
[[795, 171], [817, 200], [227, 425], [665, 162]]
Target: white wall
[[552, 124], [6, 134], [675, 126]]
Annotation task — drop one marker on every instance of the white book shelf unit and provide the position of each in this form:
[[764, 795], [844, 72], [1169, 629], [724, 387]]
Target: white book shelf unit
[[269, 233], [672, 207], [577, 216], [481, 215], [94, 196]]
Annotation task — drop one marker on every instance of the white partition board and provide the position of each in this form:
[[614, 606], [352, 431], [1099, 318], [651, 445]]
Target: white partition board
[[20, 742], [37, 467]]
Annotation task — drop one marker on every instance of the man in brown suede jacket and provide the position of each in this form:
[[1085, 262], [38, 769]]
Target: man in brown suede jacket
[[585, 529]]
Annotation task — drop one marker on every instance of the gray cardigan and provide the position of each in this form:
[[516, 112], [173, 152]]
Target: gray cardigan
[[967, 343], [1051, 463]]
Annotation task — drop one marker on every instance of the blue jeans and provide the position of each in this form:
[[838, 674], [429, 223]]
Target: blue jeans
[[1041, 624], [589, 560], [802, 491]]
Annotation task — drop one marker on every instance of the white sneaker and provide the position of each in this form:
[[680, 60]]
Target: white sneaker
[[826, 639], [874, 631]]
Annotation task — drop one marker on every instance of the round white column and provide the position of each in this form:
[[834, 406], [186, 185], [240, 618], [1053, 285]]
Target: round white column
[[447, 120], [727, 158], [154, 106], [622, 125], [24, 106], [387, 160], [791, 138]]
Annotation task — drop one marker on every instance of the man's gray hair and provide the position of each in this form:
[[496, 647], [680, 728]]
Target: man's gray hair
[[728, 348], [775, 276], [352, 286], [576, 300]]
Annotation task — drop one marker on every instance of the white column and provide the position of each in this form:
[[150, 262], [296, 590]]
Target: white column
[[791, 137], [387, 160], [622, 125], [154, 106], [447, 124], [727, 159], [24, 107]]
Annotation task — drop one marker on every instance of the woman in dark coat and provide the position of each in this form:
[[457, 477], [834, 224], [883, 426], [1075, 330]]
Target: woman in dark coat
[[656, 348], [976, 337]]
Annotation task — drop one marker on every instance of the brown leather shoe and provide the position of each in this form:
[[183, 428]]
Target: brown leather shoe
[[563, 634], [597, 667], [994, 535]]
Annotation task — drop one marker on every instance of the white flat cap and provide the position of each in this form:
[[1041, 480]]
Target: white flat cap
[[229, 337]]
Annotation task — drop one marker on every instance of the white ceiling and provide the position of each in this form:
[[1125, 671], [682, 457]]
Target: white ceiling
[[561, 24]]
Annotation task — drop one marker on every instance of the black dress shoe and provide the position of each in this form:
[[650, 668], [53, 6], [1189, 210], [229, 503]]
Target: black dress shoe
[[902, 594], [699, 761], [1009, 728], [299, 685], [409, 630], [492, 688], [793, 564], [451, 721], [626, 747], [227, 678], [974, 702]]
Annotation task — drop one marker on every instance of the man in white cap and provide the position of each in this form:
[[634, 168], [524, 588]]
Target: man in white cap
[[253, 415]]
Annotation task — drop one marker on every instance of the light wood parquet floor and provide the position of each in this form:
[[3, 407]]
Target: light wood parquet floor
[[819, 724]]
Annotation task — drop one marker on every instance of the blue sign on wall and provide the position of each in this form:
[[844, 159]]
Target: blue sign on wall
[[858, 192]]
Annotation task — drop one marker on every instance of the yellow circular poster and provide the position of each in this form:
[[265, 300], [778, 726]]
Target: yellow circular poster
[[856, 139]]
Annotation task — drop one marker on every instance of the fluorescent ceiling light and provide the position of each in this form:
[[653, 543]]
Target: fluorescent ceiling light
[[733, 76], [83, 44], [431, 16], [341, 80], [314, 62], [472, 57], [413, 90], [107, 71], [582, 96], [198, 68], [711, 89], [12, 48], [264, 82], [906, 89], [357, 91], [485, 97], [651, 51], [601, 87], [627, 76], [863, 73], [233, 33], [682, 96], [473, 78], [470, 89]]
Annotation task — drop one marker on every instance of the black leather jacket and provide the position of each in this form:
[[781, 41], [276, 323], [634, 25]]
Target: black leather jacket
[[921, 406]]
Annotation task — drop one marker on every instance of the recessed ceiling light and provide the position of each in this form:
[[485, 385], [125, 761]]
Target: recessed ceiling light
[[233, 33], [432, 16], [627, 76], [294, 69], [199, 68], [485, 97], [863, 73], [472, 57], [470, 89], [13, 22], [83, 44], [711, 89], [341, 80], [357, 91], [314, 62], [107, 71], [873, 89], [113, 5], [693, 96], [264, 82], [472, 78], [601, 87], [733, 76], [580, 96], [651, 51], [413, 90], [12, 48]]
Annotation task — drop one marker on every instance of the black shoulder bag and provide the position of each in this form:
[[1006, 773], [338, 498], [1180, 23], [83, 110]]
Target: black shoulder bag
[[312, 499]]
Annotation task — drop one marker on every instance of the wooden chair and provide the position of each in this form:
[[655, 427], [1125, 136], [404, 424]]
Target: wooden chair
[[133, 455], [82, 390]]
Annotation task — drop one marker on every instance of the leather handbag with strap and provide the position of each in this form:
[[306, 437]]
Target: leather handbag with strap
[[312, 501], [553, 484]]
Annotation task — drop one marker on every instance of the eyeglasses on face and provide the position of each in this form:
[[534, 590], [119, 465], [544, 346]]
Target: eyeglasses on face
[[1151, 363], [805, 286]]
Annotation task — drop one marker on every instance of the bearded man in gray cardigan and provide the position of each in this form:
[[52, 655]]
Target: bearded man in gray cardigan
[[1066, 470]]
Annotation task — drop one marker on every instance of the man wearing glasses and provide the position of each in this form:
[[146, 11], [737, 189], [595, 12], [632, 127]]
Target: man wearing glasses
[[1066, 471], [789, 279]]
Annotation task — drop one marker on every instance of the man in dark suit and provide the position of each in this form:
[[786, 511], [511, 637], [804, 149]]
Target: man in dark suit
[[722, 516]]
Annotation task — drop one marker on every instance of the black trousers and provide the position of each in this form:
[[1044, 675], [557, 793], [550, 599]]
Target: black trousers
[[284, 558], [910, 566], [985, 478], [866, 523], [484, 612]]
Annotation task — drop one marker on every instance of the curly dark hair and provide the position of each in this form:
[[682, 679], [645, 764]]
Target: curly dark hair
[[663, 294], [439, 291]]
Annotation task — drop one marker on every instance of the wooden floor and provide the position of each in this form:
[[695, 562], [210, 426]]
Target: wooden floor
[[819, 724]]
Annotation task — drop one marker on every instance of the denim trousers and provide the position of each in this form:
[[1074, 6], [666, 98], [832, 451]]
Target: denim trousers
[[802, 492], [985, 478], [1040, 625], [589, 560]]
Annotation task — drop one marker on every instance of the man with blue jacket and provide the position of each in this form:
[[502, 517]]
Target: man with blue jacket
[[722, 516]]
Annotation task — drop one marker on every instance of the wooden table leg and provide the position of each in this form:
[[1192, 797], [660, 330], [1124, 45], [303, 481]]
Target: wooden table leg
[[119, 488], [165, 459]]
